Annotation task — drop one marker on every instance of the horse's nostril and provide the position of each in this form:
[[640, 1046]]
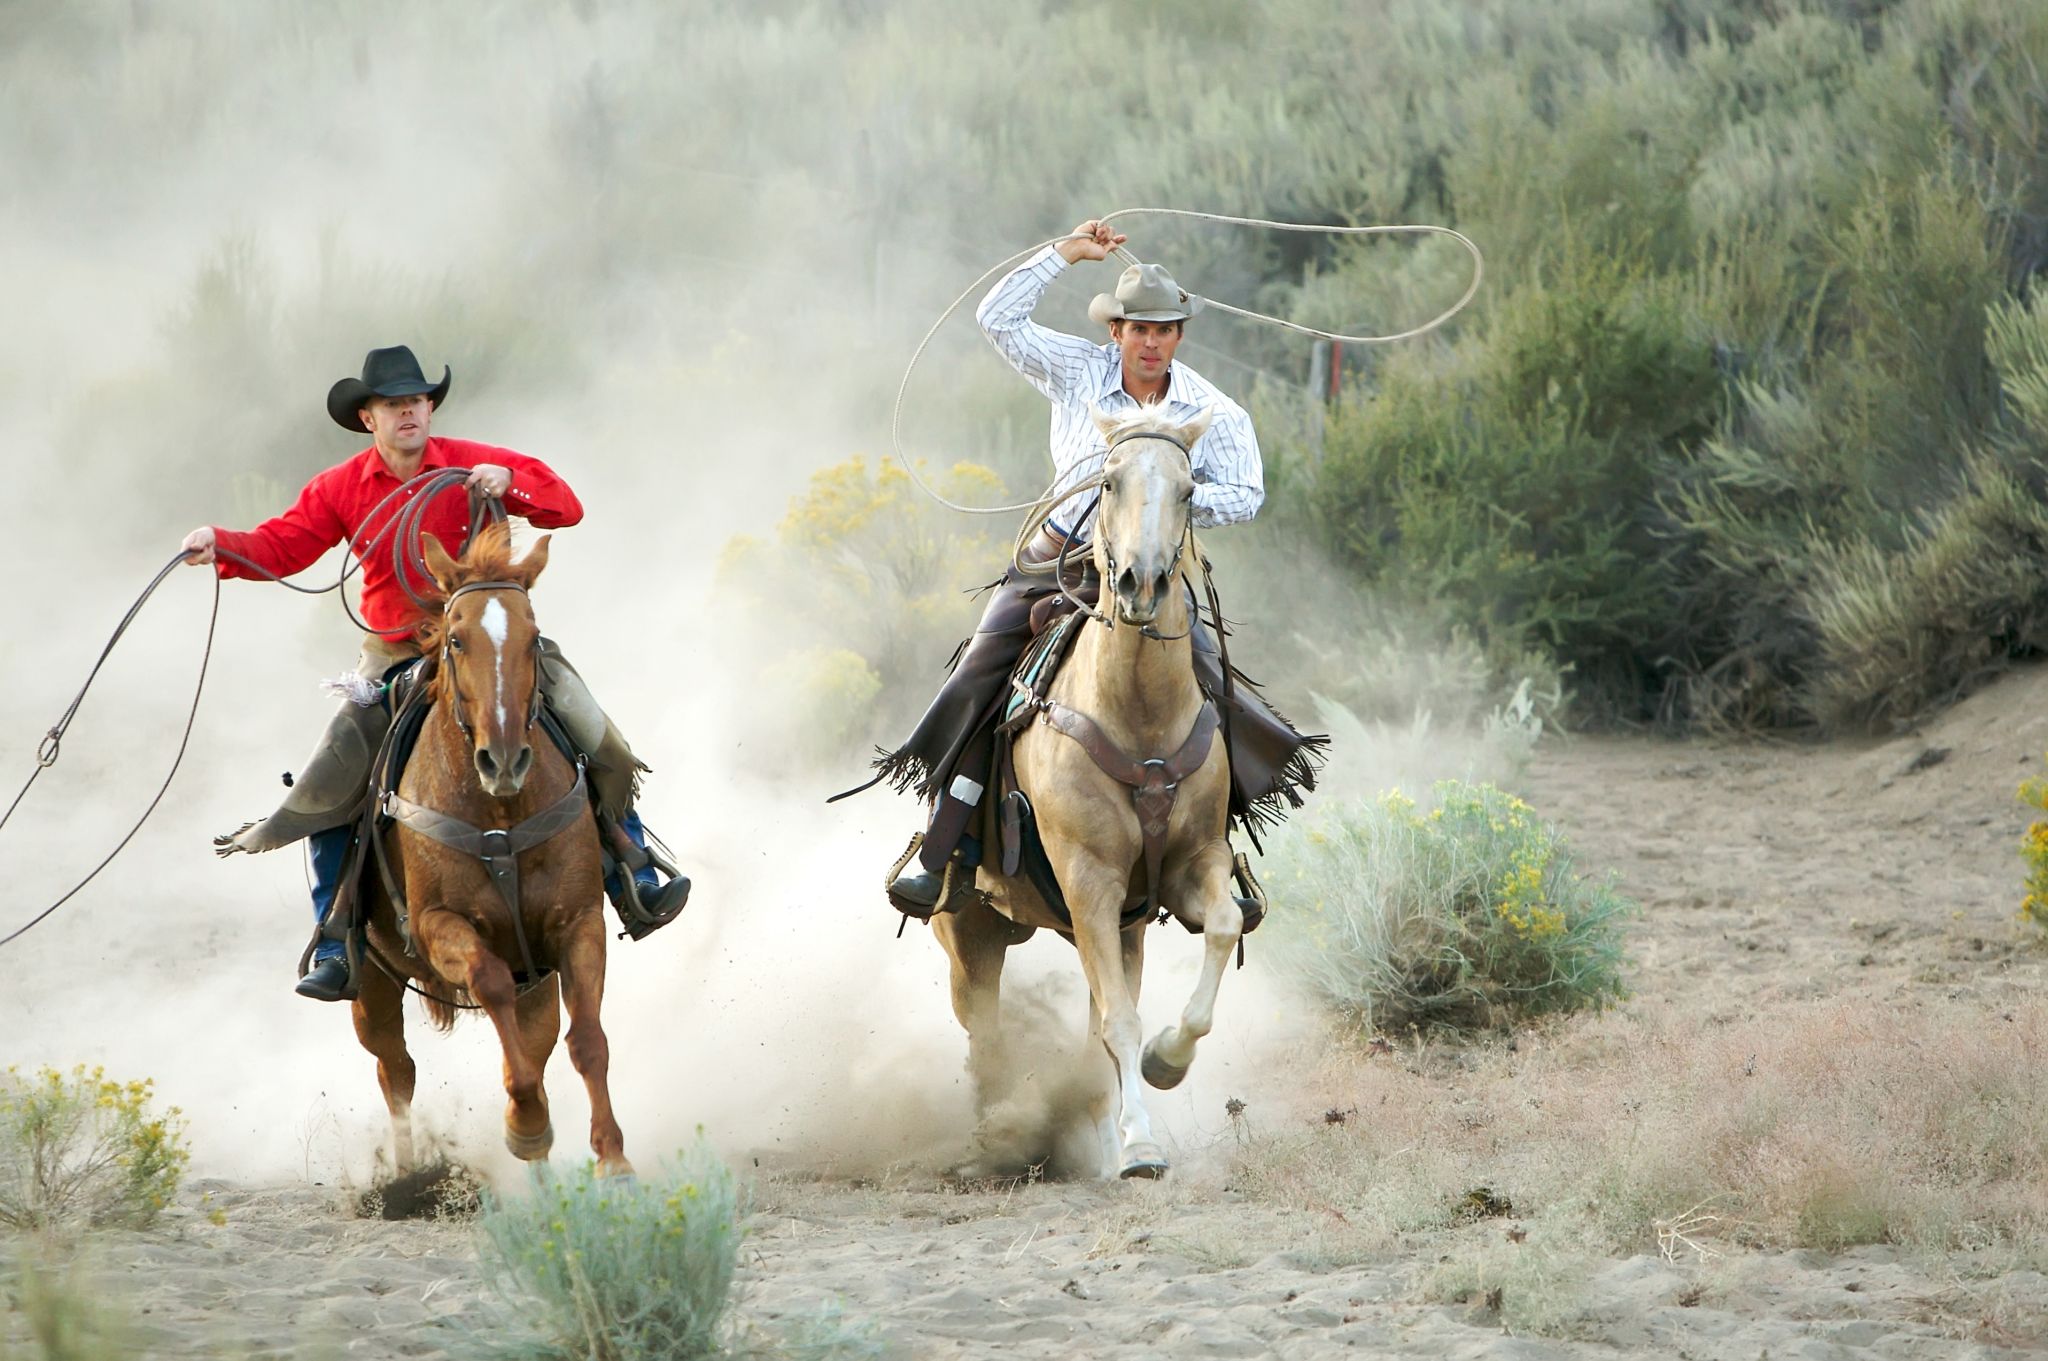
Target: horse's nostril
[[522, 763], [486, 764], [1127, 580]]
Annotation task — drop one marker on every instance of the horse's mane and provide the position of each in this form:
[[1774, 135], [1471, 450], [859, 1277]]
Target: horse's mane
[[487, 557], [1153, 419]]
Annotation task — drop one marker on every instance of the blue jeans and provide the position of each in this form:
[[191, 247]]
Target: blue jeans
[[645, 877], [327, 850]]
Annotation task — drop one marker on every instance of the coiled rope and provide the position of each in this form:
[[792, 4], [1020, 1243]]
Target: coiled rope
[[1414, 229]]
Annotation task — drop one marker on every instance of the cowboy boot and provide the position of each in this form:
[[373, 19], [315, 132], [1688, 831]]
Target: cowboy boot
[[633, 878], [328, 979], [328, 792]]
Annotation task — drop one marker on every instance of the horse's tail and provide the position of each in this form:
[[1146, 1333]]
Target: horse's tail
[[443, 1001]]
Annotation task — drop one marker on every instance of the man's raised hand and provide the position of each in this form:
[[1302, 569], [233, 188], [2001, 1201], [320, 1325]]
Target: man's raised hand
[[1090, 241]]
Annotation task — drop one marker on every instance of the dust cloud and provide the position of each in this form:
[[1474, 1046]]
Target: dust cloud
[[661, 253]]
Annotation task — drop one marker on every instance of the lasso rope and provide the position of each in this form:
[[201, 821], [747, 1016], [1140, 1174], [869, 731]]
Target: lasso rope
[[405, 530], [52, 743], [896, 415]]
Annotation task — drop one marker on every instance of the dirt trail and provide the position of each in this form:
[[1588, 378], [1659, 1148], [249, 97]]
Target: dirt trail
[[1771, 875]]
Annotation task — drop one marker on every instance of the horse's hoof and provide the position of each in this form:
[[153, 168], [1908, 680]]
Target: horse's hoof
[[617, 1169], [1143, 1161], [530, 1147], [1158, 1072]]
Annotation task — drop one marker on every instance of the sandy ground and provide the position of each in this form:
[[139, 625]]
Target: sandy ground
[[1770, 875]]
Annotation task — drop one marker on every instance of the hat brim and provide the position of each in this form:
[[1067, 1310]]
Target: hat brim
[[1106, 309], [351, 395]]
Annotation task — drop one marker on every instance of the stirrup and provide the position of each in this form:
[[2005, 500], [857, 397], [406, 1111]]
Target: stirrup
[[636, 918], [948, 885], [1251, 894]]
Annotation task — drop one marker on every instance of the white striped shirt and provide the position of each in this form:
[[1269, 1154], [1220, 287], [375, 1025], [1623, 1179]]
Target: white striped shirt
[[1230, 482]]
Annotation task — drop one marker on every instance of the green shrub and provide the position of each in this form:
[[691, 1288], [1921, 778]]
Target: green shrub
[[612, 1269], [1467, 915], [65, 1313], [81, 1150]]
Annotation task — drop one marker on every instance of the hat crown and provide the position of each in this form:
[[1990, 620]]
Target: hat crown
[[1148, 288], [391, 366]]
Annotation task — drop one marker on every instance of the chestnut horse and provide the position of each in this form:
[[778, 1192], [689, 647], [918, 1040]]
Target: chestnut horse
[[481, 763], [1126, 696]]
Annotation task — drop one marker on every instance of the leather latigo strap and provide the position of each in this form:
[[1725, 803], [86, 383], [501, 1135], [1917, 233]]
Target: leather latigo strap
[[1154, 784]]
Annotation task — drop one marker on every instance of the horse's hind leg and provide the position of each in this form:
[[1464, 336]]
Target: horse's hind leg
[[589, 1050], [976, 938], [1172, 1050], [379, 1011], [458, 954]]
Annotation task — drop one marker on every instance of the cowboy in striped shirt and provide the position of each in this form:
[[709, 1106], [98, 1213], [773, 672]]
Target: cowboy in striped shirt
[[948, 756]]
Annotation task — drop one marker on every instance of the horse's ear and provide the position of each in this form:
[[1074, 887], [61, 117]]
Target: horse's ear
[[440, 566], [1106, 424], [1197, 427], [528, 569]]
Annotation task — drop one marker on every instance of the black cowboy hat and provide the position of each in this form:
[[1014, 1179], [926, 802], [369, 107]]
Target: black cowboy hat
[[386, 373]]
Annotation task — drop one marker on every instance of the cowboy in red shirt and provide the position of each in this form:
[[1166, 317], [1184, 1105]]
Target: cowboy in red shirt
[[394, 404]]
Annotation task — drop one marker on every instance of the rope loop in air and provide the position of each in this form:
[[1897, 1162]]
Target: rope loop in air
[[1039, 501]]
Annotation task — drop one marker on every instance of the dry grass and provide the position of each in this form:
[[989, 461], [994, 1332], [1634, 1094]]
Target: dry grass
[[1925, 1127]]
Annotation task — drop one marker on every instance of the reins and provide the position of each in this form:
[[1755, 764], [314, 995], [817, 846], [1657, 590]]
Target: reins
[[404, 527]]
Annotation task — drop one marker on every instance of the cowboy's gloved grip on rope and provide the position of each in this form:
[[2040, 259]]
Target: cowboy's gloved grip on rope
[[356, 502], [947, 756]]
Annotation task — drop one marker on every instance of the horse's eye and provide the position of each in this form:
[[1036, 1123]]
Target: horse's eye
[[454, 643]]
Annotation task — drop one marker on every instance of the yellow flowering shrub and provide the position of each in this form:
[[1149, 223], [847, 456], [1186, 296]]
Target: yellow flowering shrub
[[877, 576], [2034, 850], [81, 1149], [1467, 914]]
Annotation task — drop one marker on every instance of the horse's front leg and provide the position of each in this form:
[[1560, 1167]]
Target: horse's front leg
[[459, 955], [379, 1011], [1203, 884], [589, 1049], [1095, 893]]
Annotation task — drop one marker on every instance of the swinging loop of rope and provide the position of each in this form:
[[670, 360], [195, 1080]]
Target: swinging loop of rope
[[1417, 229], [46, 754], [404, 526]]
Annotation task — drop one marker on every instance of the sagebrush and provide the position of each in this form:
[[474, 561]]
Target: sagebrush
[[1468, 914], [80, 1149]]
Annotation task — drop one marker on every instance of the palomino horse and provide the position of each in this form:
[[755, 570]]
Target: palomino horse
[[1126, 696], [481, 764]]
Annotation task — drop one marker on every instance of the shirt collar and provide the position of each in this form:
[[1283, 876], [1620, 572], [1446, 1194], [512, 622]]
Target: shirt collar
[[1113, 382], [372, 463]]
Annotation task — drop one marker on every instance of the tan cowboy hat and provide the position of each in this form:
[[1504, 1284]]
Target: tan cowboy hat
[[1144, 293]]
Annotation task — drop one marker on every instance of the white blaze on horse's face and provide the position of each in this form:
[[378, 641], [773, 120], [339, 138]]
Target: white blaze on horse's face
[[495, 623], [491, 651], [1148, 489]]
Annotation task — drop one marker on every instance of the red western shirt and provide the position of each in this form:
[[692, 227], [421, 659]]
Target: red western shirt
[[336, 505]]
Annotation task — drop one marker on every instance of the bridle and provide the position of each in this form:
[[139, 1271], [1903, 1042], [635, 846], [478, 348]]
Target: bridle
[[1107, 618], [448, 663]]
